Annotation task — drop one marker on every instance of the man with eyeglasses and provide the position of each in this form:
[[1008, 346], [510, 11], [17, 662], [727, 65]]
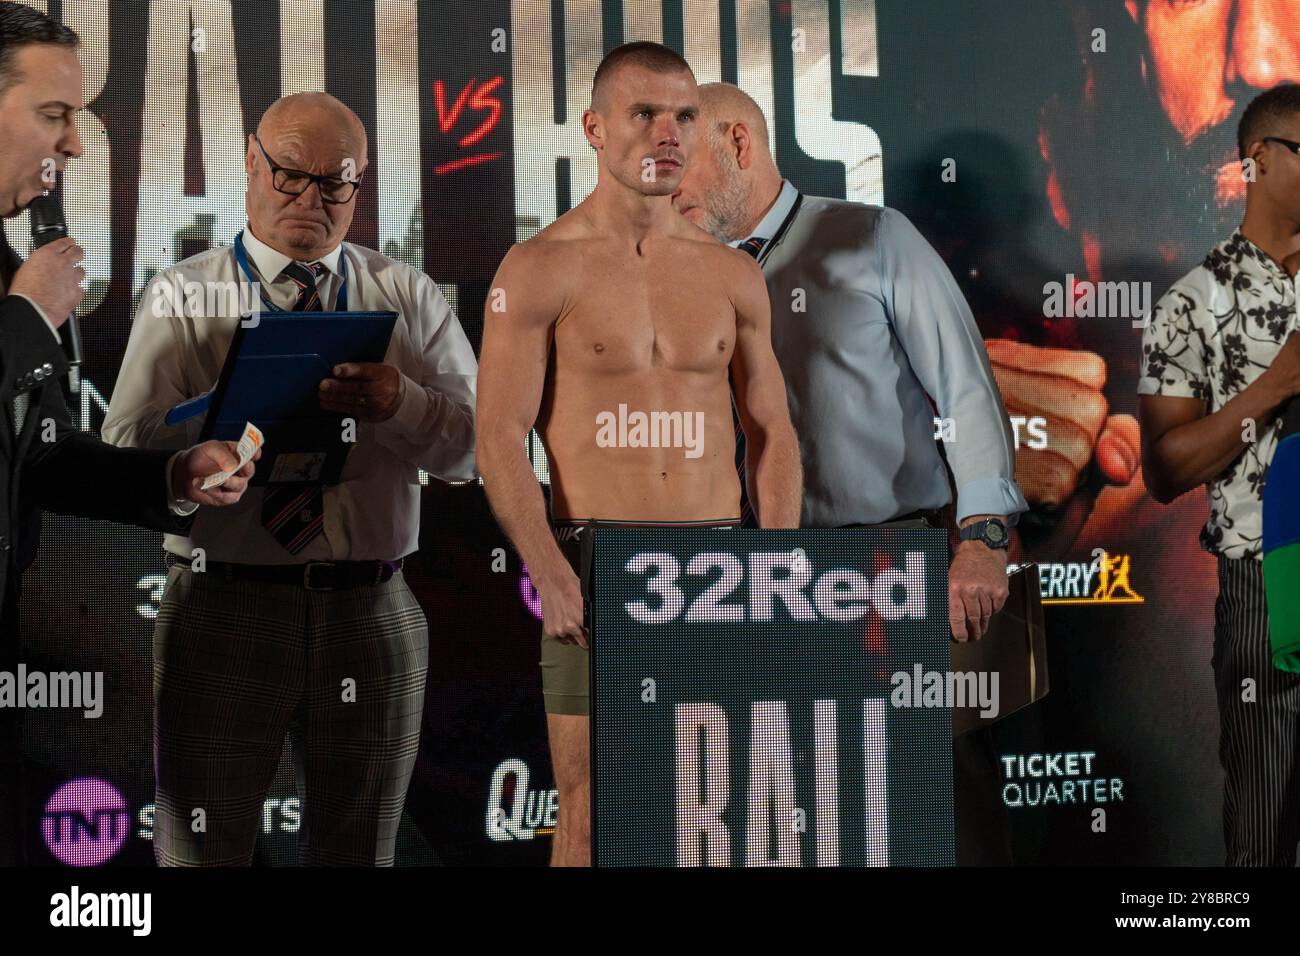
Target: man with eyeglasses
[[1220, 362], [299, 621]]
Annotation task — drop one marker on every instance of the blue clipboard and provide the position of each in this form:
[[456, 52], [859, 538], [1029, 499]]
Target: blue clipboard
[[271, 378]]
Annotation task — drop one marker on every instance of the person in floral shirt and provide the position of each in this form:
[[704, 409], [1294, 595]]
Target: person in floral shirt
[[1219, 364]]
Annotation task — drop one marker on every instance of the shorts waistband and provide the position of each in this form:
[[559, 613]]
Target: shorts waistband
[[571, 529]]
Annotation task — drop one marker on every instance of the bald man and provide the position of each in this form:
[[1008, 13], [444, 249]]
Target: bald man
[[619, 307], [869, 327], [290, 614]]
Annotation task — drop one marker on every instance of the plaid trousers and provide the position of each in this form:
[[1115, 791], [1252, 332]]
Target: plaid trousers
[[237, 665]]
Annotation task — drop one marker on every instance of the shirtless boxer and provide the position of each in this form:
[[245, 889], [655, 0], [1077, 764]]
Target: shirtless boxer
[[623, 302]]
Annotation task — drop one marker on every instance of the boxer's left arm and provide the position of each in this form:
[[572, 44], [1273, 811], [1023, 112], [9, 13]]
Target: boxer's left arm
[[774, 475]]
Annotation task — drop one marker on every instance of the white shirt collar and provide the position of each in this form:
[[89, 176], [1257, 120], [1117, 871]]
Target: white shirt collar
[[270, 263], [771, 222]]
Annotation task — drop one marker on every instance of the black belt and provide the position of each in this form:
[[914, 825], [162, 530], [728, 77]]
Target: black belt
[[314, 575], [932, 516]]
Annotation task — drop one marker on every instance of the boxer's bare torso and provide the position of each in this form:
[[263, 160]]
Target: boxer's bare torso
[[640, 346]]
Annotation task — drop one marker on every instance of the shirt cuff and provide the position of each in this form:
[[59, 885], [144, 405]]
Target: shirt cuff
[[41, 312], [178, 506], [990, 496], [411, 408]]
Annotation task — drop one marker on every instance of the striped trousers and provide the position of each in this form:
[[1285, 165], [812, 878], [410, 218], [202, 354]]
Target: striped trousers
[[240, 664], [1259, 740]]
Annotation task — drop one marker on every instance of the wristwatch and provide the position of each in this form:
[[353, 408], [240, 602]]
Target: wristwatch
[[992, 531]]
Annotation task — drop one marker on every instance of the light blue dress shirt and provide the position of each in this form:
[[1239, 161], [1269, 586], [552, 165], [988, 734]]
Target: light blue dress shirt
[[868, 325]]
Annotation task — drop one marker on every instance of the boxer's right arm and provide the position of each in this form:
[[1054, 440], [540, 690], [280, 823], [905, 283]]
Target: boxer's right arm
[[522, 307]]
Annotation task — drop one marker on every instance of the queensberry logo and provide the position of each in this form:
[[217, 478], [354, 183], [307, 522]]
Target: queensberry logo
[[1106, 580], [767, 578], [514, 812]]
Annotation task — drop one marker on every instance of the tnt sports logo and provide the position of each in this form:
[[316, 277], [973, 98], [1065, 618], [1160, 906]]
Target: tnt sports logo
[[85, 822], [513, 811], [1072, 582]]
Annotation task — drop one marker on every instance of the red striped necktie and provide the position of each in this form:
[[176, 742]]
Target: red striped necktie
[[304, 276], [294, 511]]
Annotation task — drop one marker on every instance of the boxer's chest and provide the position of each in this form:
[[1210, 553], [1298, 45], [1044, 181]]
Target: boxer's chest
[[663, 310]]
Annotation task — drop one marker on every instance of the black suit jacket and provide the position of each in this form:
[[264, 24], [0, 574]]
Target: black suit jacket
[[75, 474]]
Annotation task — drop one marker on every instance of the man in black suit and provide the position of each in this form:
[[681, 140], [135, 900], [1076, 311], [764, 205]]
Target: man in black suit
[[45, 463]]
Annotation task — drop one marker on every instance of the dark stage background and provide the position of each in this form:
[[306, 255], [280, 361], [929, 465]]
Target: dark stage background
[[1024, 153]]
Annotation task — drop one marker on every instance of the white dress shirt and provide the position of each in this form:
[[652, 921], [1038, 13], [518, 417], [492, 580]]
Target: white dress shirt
[[373, 513]]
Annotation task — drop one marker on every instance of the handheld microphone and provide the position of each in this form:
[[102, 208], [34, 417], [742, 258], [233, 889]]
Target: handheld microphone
[[48, 224]]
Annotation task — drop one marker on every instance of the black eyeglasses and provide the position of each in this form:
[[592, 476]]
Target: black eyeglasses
[[1288, 143], [295, 182]]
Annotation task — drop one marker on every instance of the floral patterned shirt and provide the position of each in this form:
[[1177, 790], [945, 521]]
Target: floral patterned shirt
[[1212, 334]]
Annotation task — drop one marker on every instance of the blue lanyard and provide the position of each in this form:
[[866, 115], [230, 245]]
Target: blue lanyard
[[241, 257]]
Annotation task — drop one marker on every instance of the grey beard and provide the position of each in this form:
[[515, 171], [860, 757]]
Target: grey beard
[[726, 208]]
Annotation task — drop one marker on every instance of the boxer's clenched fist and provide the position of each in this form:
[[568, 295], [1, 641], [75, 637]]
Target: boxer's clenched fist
[[1063, 386], [562, 616]]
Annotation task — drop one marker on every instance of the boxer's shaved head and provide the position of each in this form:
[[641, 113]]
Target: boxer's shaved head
[[643, 117], [651, 56]]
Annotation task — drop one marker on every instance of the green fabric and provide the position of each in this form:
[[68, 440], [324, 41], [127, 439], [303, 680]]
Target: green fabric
[[566, 668], [565, 677], [1281, 574]]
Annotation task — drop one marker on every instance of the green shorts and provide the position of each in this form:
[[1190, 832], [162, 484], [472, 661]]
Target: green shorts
[[566, 671]]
